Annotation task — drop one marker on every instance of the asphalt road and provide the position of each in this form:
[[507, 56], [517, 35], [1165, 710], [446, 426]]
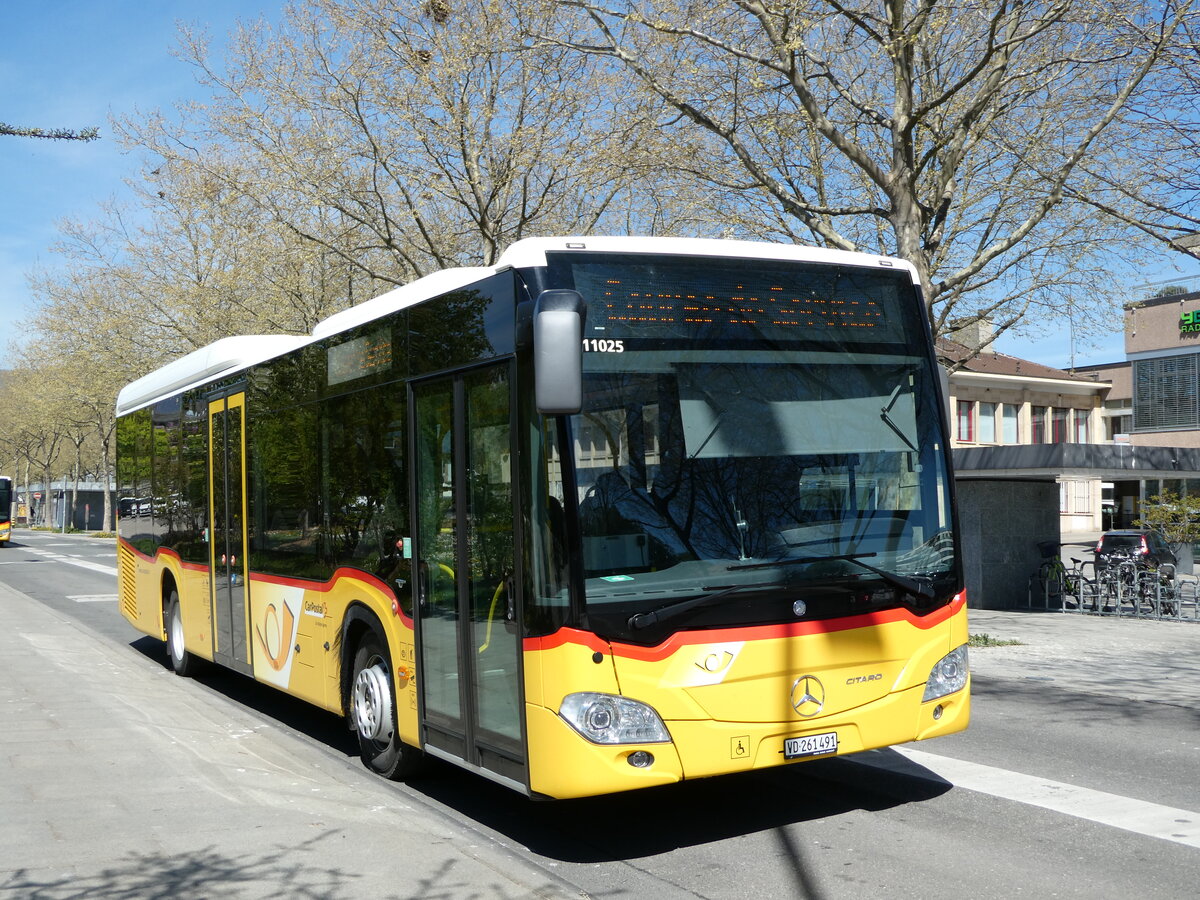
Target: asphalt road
[[1058, 789]]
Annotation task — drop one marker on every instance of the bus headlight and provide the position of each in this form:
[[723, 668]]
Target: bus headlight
[[608, 719], [948, 676]]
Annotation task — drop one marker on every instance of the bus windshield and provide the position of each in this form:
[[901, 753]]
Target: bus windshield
[[755, 433]]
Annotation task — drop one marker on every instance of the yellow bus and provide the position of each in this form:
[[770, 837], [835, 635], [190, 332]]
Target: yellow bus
[[612, 513], [6, 496]]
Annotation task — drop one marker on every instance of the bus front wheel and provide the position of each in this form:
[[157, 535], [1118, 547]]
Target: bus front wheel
[[373, 712], [183, 662]]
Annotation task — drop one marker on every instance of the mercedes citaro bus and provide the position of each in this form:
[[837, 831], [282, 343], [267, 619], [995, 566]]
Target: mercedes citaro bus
[[612, 513]]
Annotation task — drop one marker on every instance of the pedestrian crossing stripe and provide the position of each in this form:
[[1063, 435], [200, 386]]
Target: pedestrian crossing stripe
[[93, 598]]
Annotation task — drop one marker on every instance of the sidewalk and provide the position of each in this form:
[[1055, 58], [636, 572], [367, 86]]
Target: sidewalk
[[118, 778], [1124, 658], [1133, 659]]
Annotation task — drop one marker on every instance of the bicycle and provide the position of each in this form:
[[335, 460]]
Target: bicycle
[[1056, 580], [1116, 578], [1124, 578], [1159, 590], [1087, 595]]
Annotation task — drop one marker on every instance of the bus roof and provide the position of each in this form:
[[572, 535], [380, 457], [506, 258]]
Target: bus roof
[[531, 252], [406, 295], [231, 354], [221, 357]]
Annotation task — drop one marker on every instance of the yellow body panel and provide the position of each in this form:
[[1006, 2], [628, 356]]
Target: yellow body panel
[[295, 626], [139, 583], [564, 765], [729, 698], [196, 610], [5, 532]]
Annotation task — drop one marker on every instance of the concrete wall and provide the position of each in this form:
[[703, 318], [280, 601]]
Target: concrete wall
[[1154, 324], [1002, 521]]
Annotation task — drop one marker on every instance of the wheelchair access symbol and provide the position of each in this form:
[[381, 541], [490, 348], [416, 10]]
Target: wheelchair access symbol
[[739, 747]]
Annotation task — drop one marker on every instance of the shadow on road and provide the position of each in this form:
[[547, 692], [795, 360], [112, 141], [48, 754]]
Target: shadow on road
[[657, 820], [203, 872], [289, 711], [208, 872]]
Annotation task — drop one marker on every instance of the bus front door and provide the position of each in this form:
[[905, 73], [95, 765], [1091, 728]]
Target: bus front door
[[468, 634], [227, 530]]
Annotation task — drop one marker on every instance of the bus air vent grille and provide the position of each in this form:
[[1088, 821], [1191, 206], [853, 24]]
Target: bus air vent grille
[[127, 567]]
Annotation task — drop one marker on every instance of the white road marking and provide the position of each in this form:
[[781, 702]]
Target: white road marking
[[73, 560], [93, 598], [1151, 819]]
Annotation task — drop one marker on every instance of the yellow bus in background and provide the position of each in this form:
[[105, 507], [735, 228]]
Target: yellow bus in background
[[612, 513], [6, 502]]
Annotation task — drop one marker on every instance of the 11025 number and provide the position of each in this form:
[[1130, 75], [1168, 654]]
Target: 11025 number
[[602, 345]]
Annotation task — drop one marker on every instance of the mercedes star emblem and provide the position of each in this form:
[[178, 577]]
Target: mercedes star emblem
[[808, 696]]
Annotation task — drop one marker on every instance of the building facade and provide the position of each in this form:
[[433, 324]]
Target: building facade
[[1154, 399], [1098, 439], [1002, 401], [1154, 396]]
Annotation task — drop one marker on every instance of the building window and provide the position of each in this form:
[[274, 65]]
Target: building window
[[1058, 425], [1116, 425], [1075, 497], [1081, 426], [1164, 393], [987, 423], [1009, 433], [1037, 425], [966, 421]]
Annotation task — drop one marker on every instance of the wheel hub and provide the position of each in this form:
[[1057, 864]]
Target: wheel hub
[[177, 635], [373, 703]]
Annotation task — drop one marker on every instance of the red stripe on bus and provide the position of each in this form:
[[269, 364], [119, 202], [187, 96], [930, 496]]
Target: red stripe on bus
[[163, 551], [284, 581], [682, 639]]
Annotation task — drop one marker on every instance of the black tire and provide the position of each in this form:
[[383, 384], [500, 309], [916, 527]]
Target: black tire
[[371, 709], [1050, 584], [1107, 589], [1088, 594], [183, 662]]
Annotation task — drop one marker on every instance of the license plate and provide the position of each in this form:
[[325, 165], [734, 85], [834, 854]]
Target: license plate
[[810, 745]]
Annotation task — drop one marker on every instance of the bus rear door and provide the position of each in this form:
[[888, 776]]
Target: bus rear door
[[227, 530]]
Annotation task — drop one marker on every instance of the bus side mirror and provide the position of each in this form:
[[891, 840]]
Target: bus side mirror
[[558, 352]]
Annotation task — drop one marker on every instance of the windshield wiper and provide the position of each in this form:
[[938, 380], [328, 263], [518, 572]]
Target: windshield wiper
[[910, 585], [885, 414], [678, 608]]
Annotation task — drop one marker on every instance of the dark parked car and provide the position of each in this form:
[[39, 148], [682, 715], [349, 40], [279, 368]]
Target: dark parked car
[[1146, 547]]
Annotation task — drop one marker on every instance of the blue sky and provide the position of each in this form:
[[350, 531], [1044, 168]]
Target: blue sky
[[72, 63]]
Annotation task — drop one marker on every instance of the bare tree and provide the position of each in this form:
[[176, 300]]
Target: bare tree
[[405, 138], [35, 426], [191, 266], [1159, 192], [962, 137]]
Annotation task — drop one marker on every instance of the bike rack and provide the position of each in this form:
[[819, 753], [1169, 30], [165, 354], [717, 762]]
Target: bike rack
[[1121, 589]]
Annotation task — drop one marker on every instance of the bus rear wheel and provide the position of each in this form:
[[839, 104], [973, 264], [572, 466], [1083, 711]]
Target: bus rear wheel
[[373, 712], [183, 662]]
